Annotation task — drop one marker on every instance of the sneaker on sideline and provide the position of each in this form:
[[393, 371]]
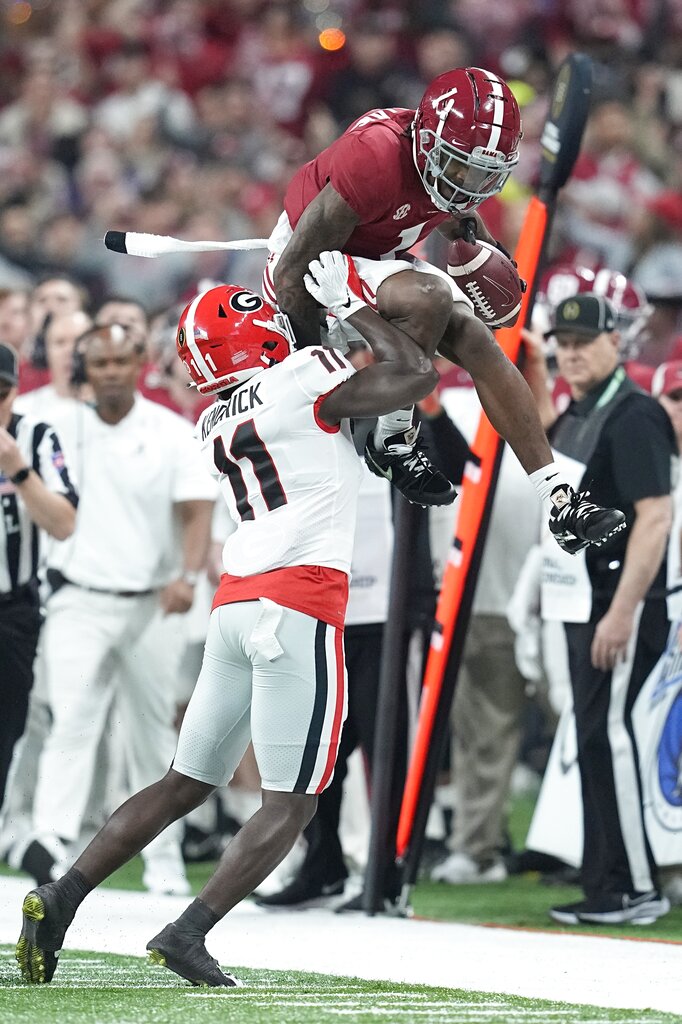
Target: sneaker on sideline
[[303, 892], [390, 907], [45, 857], [613, 908], [461, 869]]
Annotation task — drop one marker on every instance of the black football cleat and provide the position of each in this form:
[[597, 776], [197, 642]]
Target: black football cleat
[[188, 957], [409, 470], [303, 892], [46, 917], [576, 523]]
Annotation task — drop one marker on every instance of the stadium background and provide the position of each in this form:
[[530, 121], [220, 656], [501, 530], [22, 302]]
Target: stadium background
[[188, 117]]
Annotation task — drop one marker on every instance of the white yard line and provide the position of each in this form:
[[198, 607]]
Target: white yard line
[[572, 968]]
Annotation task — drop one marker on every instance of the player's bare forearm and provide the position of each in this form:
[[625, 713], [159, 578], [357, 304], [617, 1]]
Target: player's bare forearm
[[389, 343], [195, 518], [402, 374], [326, 224], [645, 550], [375, 390], [504, 394], [53, 513]]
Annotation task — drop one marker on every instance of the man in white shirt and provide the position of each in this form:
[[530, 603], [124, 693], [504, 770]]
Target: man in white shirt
[[144, 496]]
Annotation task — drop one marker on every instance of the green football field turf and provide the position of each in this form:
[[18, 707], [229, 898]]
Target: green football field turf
[[94, 988]]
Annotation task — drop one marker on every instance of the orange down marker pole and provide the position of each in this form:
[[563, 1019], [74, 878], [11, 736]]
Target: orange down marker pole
[[472, 499]]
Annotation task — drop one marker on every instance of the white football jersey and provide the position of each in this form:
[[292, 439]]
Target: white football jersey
[[290, 481]]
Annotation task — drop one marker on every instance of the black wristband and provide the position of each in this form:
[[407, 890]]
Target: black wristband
[[22, 475]]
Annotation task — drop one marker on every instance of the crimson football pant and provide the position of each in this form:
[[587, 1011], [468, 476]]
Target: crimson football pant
[[617, 857]]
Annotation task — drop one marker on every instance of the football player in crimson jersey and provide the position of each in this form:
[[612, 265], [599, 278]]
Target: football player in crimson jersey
[[393, 177], [279, 442]]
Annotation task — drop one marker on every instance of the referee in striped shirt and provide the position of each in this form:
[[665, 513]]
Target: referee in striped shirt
[[35, 491]]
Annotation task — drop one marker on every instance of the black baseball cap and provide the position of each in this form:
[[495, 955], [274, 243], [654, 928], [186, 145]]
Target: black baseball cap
[[585, 313], [9, 366]]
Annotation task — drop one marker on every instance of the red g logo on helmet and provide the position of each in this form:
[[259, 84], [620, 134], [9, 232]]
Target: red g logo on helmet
[[466, 137], [227, 334]]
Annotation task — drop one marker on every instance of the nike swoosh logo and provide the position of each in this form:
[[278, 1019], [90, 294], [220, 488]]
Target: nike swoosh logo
[[507, 296], [346, 303]]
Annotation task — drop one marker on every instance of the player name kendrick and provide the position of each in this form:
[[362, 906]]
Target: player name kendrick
[[240, 402]]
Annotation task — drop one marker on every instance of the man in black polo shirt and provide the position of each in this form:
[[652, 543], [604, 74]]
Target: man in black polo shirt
[[617, 442]]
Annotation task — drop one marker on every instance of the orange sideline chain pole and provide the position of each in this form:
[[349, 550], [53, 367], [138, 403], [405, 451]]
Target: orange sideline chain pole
[[560, 143]]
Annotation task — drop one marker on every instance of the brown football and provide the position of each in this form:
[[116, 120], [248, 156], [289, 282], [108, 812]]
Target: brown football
[[489, 279]]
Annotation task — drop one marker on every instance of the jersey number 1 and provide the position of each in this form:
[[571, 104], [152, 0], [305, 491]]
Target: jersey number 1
[[246, 444]]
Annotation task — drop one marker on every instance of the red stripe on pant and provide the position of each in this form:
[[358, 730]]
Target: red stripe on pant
[[268, 286], [338, 711]]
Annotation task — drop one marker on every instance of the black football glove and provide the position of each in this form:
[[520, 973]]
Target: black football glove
[[468, 228], [505, 252]]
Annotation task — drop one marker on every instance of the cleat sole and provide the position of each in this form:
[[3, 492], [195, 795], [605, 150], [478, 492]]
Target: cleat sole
[[28, 953], [157, 958], [33, 907]]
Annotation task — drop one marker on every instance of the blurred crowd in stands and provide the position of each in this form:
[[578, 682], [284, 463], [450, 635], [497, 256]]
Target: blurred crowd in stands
[[188, 117]]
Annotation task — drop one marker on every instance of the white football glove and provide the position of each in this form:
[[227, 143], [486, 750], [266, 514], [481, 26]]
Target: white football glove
[[327, 282]]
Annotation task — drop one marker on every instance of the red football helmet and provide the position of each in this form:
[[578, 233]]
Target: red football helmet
[[465, 138], [227, 334], [628, 300]]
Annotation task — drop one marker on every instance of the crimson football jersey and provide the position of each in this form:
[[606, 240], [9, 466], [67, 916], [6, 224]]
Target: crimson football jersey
[[372, 168]]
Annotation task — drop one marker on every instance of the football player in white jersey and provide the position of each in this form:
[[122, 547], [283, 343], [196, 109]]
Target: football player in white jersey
[[278, 440]]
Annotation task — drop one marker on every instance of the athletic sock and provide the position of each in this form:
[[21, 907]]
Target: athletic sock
[[73, 887], [393, 423], [545, 480], [197, 920]]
